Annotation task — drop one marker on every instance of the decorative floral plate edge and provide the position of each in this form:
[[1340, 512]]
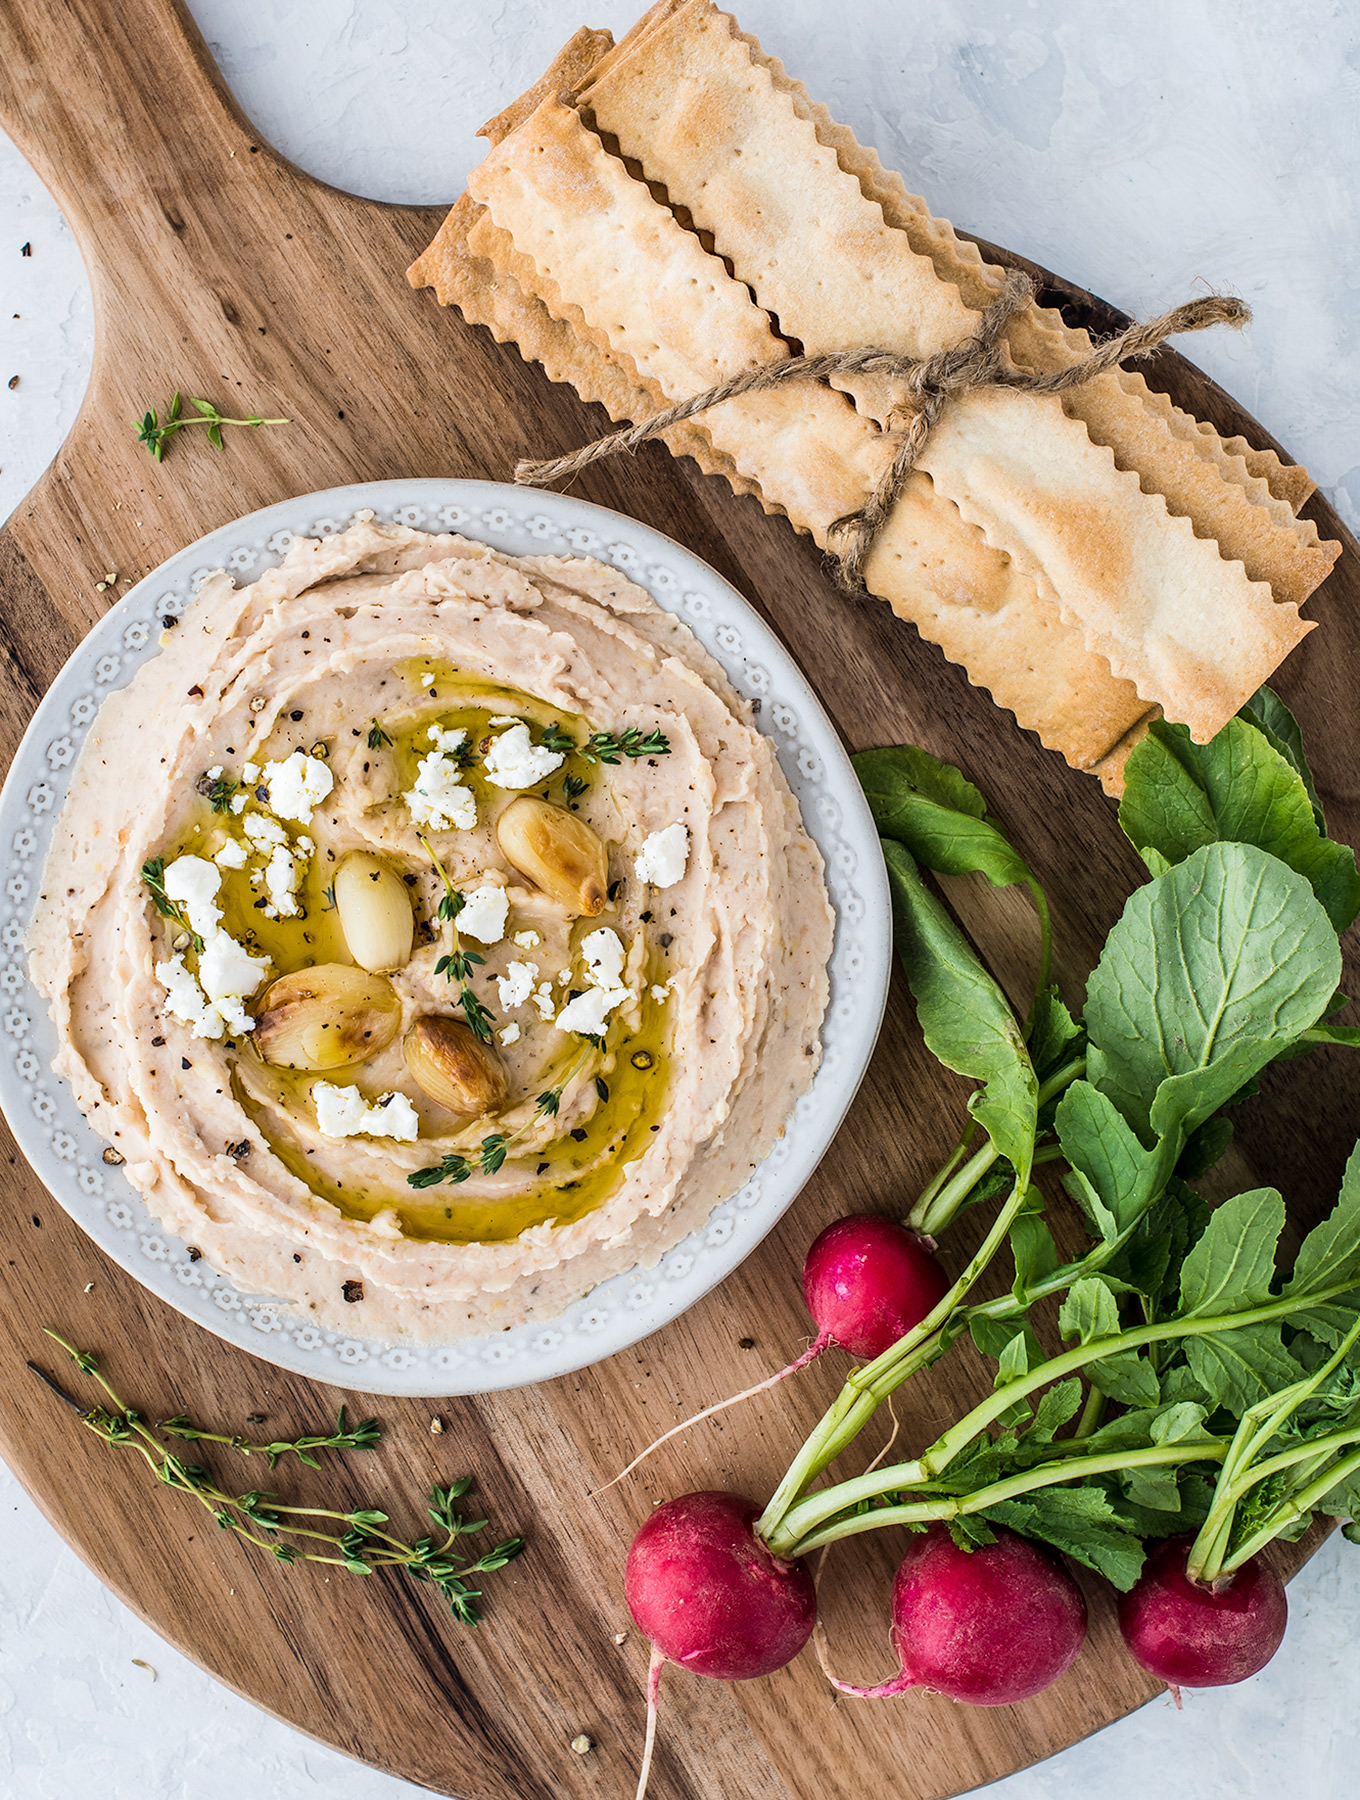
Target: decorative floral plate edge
[[66, 1153]]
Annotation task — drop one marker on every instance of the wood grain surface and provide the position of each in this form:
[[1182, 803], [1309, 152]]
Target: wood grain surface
[[220, 269]]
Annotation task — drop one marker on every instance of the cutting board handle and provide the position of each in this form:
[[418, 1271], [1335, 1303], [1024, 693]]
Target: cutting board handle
[[110, 100]]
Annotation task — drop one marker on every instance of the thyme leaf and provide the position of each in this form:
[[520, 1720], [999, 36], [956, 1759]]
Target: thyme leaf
[[153, 874], [155, 435]]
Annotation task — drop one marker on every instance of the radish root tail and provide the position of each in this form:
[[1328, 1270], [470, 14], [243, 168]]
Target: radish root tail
[[654, 1669], [813, 1351], [898, 1685]]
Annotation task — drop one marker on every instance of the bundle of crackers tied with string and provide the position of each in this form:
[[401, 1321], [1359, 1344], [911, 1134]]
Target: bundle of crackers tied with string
[[1093, 556]]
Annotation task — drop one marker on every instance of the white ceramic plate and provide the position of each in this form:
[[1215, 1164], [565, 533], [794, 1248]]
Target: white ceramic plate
[[67, 1154]]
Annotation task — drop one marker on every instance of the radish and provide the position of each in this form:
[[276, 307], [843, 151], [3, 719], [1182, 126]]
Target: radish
[[867, 1281], [710, 1597], [987, 1626], [1210, 1634]]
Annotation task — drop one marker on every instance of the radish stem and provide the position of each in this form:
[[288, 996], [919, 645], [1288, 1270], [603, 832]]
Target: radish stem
[[654, 1668]]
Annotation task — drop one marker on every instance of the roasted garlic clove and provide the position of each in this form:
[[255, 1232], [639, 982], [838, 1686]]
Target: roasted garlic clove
[[452, 1066], [325, 1017], [557, 852], [374, 908]]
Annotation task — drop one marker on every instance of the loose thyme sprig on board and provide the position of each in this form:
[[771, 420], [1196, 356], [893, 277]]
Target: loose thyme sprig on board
[[155, 435], [459, 963], [261, 1520], [153, 874], [494, 1149]]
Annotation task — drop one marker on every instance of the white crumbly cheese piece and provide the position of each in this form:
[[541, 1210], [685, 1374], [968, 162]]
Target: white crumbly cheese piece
[[232, 855], [263, 831], [239, 802], [215, 774], [439, 797], [484, 913], [194, 881], [427, 681], [250, 772], [296, 785], [517, 983], [226, 970], [528, 940], [662, 859], [281, 880], [505, 719], [660, 993], [184, 999], [510, 1033], [589, 1012], [343, 1112], [450, 740], [602, 954], [514, 762], [543, 1000]]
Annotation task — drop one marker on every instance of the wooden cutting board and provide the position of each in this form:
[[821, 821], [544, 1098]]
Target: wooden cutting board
[[220, 269]]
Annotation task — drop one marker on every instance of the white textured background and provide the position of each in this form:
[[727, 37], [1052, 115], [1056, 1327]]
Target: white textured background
[[1149, 152]]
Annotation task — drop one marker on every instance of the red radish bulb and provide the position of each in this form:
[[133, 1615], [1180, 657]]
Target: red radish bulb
[[987, 1626], [711, 1597], [868, 1281], [1202, 1634]]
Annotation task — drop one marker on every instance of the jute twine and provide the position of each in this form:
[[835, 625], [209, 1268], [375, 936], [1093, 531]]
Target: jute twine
[[928, 384]]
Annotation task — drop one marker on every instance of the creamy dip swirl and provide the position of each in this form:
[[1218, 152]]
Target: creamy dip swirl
[[392, 692]]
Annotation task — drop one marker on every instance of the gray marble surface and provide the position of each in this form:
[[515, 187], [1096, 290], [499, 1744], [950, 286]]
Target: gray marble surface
[[1150, 152]]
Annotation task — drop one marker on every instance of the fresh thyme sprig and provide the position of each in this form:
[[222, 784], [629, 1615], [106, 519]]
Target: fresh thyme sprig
[[610, 746], [153, 874], [459, 963], [155, 435], [573, 787], [363, 1437], [494, 1149], [259, 1518], [554, 738], [217, 790], [377, 737]]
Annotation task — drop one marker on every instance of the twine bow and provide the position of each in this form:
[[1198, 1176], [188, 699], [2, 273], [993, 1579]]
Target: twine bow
[[929, 383]]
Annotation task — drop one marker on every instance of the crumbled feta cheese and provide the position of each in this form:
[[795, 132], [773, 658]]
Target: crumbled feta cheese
[[514, 762], [234, 1015], [184, 999], [239, 802], [528, 940], [505, 719], [439, 797], [589, 1013], [510, 1034], [232, 855], [660, 993], [227, 970], [250, 772], [484, 913], [450, 740], [543, 1000], [296, 785], [193, 881], [427, 681], [343, 1112], [517, 984], [262, 830], [304, 847], [215, 774], [281, 880], [602, 953], [663, 857]]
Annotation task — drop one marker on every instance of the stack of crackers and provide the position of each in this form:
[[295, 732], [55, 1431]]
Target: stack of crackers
[[659, 215]]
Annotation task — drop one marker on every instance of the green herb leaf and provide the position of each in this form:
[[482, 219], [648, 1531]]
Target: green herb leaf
[[1055, 1038], [1273, 719], [1238, 1369], [1079, 1521], [1238, 788], [1231, 1267], [1331, 1251], [929, 807], [1120, 1177], [966, 1019], [1089, 1311], [1211, 971], [1128, 1378]]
